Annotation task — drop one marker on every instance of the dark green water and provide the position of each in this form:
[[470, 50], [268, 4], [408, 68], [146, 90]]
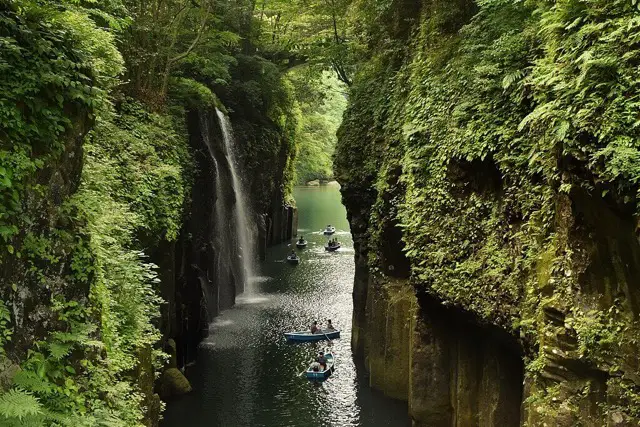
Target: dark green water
[[247, 375]]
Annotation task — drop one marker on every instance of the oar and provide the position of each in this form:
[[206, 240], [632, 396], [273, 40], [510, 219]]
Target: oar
[[325, 335], [305, 370]]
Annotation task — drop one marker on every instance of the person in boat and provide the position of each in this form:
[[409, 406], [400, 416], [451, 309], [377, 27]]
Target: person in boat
[[322, 361], [330, 326], [315, 366], [293, 254], [301, 241], [314, 328]]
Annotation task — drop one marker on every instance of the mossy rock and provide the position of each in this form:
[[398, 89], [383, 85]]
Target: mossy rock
[[154, 411], [173, 383]]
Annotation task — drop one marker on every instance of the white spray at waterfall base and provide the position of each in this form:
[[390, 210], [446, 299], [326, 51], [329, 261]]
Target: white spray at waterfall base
[[245, 225]]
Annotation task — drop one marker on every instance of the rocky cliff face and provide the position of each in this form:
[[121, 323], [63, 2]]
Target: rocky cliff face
[[47, 219], [199, 278], [496, 248]]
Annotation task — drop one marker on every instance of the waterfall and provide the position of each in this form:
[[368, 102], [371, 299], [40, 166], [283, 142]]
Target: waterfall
[[230, 242], [221, 239], [245, 227]]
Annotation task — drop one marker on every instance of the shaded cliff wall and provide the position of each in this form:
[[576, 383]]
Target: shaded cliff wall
[[450, 370], [198, 280], [479, 174], [462, 374]]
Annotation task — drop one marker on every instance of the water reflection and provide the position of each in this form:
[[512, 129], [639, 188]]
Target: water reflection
[[248, 375]]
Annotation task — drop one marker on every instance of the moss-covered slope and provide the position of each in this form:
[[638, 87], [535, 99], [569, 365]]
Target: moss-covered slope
[[95, 187], [490, 153]]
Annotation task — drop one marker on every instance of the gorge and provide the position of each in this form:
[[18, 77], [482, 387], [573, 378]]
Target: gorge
[[488, 161]]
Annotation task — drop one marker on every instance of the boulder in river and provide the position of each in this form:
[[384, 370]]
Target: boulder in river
[[173, 383]]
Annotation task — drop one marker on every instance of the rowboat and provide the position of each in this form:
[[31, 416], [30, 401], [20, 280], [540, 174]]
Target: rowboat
[[329, 230], [293, 259], [332, 248], [322, 375], [301, 244], [305, 336]]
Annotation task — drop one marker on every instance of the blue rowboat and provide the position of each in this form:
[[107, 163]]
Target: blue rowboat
[[301, 244], [322, 375], [305, 336], [293, 260]]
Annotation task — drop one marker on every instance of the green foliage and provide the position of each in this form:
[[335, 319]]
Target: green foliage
[[55, 389], [480, 139], [138, 158], [133, 187], [318, 31], [192, 94], [50, 74], [322, 104], [5, 327]]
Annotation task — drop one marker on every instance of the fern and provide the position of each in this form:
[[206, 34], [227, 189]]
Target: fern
[[59, 350], [28, 380], [19, 405], [512, 78]]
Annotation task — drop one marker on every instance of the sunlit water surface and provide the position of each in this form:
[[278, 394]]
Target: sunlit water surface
[[247, 375]]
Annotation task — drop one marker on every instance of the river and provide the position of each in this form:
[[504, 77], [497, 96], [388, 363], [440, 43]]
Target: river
[[247, 375]]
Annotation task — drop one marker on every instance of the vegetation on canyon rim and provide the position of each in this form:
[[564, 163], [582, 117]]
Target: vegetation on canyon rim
[[472, 126]]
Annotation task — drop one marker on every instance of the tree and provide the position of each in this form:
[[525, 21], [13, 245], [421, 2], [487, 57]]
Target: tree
[[162, 33], [317, 30]]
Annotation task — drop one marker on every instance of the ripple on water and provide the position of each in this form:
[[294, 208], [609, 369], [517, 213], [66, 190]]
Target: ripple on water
[[251, 299], [260, 279]]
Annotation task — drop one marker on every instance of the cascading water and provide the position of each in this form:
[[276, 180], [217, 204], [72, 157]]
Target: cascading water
[[230, 242], [222, 239], [242, 214]]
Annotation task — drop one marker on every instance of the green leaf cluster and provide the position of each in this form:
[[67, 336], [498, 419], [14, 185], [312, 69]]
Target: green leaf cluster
[[51, 72]]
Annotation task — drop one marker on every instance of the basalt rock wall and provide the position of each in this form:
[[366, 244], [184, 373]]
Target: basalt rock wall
[[448, 369]]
